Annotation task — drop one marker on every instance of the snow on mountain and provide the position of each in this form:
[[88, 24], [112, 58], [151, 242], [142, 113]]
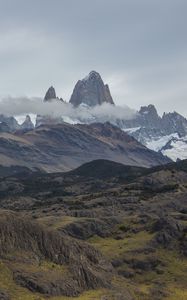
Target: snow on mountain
[[158, 144], [176, 148], [131, 130]]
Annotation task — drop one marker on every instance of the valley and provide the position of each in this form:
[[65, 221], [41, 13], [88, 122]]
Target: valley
[[136, 218]]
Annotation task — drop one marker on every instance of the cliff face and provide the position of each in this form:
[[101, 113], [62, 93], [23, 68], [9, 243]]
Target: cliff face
[[91, 91]]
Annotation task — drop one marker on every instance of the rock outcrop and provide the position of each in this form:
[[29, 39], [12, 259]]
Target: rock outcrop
[[148, 122], [79, 266], [10, 122], [27, 124], [91, 91], [50, 94]]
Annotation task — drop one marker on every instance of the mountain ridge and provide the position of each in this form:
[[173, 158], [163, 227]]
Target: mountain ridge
[[63, 147]]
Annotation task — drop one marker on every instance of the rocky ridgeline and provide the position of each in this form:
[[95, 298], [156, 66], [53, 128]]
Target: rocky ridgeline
[[51, 95], [10, 124], [149, 124]]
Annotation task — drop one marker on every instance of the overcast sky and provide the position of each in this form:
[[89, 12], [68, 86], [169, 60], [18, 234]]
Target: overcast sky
[[138, 46]]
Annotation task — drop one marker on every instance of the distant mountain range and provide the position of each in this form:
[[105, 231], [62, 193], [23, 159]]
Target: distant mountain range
[[166, 134], [62, 147]]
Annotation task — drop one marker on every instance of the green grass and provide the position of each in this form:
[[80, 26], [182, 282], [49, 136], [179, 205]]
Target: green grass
[[170, 275], [89, 295], [56, 222], [16, 292], [113, 248]]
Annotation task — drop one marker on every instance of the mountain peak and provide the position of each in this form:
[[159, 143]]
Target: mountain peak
[[50, 94], [27, 124], [93, 75], [150, 109], [91, 91]]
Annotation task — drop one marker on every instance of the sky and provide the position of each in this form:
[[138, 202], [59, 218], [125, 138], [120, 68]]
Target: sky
[[138, 46]]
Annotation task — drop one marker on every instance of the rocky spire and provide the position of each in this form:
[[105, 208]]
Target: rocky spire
[[91, 91], [27, 124], [51, 94]]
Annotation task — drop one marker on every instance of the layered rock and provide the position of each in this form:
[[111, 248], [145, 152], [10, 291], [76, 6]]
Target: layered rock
[[91, 91], [77, 266]]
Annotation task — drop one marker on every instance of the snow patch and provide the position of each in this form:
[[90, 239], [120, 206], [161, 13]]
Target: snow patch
[[131, 130], [158, 144], [178, 150]]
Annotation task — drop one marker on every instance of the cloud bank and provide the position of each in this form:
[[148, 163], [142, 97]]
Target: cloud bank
[[56, 109]]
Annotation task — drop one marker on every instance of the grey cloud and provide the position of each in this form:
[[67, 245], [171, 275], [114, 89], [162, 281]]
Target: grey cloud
[[22, 106]]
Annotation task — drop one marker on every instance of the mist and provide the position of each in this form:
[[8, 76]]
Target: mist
[[36, 106]]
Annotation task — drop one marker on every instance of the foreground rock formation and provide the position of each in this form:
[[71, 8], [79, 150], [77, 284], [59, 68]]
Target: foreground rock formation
[[47, 262], [135, 217]]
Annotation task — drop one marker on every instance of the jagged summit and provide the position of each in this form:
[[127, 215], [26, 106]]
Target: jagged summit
[[150, 109], [27, 124], [92, 75], [50, 94], [91, 91]]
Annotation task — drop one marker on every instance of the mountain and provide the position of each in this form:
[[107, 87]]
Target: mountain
[[166, 134], [122, 236], [27, 124], [63, 147], [51, 95], [10, 121], [91, 91], [104, 169]]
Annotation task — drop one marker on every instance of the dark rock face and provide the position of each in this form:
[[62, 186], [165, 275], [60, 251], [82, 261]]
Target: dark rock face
[[88, 228], [50, 95], [149, 117], [36, 282], [184, 244], [91, 91], [4, 295], [27, 124], [174, 122], [168, 229]]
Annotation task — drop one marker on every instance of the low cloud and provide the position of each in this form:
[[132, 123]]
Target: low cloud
[[23, 106]]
